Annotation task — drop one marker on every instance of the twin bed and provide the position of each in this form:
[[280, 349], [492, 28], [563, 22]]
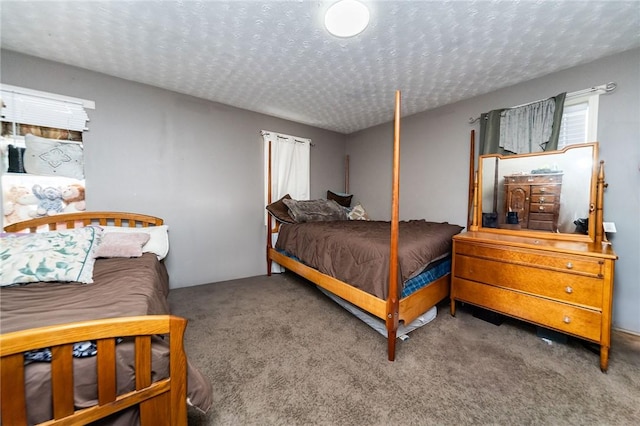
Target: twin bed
[[395, 271], [127, 301]]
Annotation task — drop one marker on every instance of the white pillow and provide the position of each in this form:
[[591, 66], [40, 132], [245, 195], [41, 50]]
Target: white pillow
[[358, 213], [52, 157], [158, 238], [65, 255]]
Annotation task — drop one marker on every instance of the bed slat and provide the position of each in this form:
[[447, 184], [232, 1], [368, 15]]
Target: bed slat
[[106, 362], [12, 394], [143, 361], [62, 380]]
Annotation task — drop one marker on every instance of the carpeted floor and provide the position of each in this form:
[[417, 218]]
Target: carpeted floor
[[279, 352]]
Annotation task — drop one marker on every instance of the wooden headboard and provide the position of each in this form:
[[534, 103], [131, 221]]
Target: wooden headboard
[[80, 219]]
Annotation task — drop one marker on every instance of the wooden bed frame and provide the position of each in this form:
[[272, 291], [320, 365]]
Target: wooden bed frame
[[161, 403], [392, 310], [80, 219]]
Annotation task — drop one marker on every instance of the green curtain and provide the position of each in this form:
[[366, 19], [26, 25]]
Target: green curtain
[[490, 133], [552, 145]]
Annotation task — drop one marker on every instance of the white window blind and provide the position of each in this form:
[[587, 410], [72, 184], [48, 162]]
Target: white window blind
[[574, 126], [26, 106], [580, 117]]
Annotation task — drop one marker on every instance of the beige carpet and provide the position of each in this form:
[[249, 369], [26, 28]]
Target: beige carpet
[[279, 352]]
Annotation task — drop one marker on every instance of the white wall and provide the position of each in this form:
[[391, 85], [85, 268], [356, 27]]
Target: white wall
[[435, 161], [195, 163]]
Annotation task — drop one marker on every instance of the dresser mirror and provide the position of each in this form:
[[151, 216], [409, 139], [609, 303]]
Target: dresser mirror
[[549, 194]]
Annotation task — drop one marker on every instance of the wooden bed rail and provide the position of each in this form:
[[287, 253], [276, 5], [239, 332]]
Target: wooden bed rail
[[161, 403], [80, 219]]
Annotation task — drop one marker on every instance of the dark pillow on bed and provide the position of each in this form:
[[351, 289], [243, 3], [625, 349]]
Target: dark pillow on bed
[[343, 199], [315, 210], [280, 211]]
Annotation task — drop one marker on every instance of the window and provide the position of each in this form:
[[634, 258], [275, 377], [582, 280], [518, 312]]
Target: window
[[579, 120], [42, 153]]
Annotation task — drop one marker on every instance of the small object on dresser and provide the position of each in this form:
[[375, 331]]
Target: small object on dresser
[[489, 220], [582, 225]]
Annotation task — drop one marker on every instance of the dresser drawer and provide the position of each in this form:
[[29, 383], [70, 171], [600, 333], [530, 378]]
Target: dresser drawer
[[533, 179], [571, 288], [541, 225], [544, 198], [549, 209], [569, 319], [582, 265], [540, 216], [545, 190]]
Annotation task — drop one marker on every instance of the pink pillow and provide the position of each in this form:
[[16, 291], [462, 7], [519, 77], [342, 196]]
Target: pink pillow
[[120, 244]]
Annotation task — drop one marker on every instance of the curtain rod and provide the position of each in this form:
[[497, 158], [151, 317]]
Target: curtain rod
[[604, 88], [283, 136]]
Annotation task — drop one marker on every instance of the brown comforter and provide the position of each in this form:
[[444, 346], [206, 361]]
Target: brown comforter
[[122, 287], [357, 252]]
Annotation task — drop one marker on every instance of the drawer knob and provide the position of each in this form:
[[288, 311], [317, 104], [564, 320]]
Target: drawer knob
[[543, 189], [566, 320], [541, 208], [569, 265], [568, 289], [542, 199]]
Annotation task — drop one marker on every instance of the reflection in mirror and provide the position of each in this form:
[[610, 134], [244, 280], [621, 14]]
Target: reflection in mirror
[[544, 192]]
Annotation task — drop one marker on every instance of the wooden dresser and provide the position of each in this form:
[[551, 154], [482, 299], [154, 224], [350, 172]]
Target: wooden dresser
[[532, 272], [535, 198], [564, 286]]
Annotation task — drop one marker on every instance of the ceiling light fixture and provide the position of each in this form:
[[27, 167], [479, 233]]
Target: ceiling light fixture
[[346, 18]]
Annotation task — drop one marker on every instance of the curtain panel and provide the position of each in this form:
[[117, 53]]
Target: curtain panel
[[528, 128], [290, 172], [290, 166]]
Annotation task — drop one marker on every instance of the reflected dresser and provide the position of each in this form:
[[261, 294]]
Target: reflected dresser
[[535, 198]]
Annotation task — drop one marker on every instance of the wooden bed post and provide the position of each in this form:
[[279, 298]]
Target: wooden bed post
[[601, 185], [346, 174], [474, 220], [392, 298], [269, 243], [472, 169]]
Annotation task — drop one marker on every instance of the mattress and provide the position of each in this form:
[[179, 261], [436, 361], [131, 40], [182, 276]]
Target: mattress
[[357, 252]]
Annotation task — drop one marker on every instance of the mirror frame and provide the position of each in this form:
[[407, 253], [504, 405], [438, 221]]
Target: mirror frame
[[478, 196]]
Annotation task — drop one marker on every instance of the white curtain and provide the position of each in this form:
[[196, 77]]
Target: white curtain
[[290, 159], [527, 128]]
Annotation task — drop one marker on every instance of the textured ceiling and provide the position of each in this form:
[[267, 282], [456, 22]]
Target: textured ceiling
[[275, 57]]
